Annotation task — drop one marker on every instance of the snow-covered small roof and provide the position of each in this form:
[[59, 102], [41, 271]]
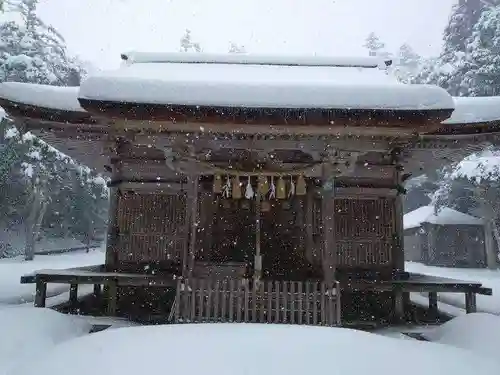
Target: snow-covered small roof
[[44, 96], [445, 216], [260, 82], [469, 110]]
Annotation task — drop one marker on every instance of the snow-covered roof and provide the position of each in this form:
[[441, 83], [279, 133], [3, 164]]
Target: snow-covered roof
[[260, 82], [251, 59], [445, 216], [469, 110], [44, 96]]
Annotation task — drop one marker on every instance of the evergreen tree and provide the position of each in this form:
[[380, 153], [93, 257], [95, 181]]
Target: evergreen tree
[[235, 48], [374, 45], [483, 50], [463, 17], [187, 43], [34, 51], [407, 64]]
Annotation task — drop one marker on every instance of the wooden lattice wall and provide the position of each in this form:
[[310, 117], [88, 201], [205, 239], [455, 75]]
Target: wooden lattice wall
[[364, 232], [152, 227]]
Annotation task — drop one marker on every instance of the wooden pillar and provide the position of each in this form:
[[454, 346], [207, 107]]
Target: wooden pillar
[[41, 292], [97, 290], [192, 206], [398, 251], [112, 239], [258, 256], [433, 304], [489, 244], [431, 243], [73, 296], [329, 250], [470, 302], [310, 251], [399, 310], [112, 298]]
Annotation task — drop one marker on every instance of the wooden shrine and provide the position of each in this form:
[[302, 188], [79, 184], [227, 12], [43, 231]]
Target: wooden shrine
[[247, 202]]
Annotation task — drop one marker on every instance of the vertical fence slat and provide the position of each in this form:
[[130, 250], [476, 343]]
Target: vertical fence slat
[[270, 295], [255, 286], [323, 304], [201, 300], [246, 296], [178, 301], [231, 300], [315, 303], [300, 300], [285, 301], [239, 300], [338, 304], [264, 295], [308, 302], [194, 286], [277, 301], [208, 289], [216, 300], [224, 300], [292, 302]]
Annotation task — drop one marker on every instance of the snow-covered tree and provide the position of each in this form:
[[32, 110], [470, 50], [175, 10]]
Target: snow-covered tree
[[33, 51], [464, 16], [483, 55], [235, 48], [467, 64], [407, 63], [187, 43], [373, 44]]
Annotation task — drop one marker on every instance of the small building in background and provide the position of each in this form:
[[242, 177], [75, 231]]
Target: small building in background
[[444, 237]]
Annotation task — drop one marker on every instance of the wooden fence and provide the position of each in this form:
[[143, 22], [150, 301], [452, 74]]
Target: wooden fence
[[239, 300]]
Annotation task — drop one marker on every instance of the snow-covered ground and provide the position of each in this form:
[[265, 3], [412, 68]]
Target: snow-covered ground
[[29, 333], [489, 279], [237, 349], [478, 332], [11, 270]]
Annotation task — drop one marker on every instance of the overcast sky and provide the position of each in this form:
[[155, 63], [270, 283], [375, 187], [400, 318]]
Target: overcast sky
[[99, 30]]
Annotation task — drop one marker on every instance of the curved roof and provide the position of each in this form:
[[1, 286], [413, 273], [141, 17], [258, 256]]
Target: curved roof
[[252, 81], [470, 110], [43, 96], [239, 81]]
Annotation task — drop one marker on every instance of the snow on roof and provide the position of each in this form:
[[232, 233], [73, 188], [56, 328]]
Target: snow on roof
[[45, 96], [445, 216], [225, 349], [260, 82], [469, 110], [250, 59]]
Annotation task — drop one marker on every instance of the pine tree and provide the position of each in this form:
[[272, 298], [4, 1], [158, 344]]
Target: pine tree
[[466, 64], [483, 64], [34, 51], [187, 44], [464, 16], [374, 45], [235, 48], [407, 64]]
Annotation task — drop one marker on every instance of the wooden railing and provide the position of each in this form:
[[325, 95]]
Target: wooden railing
[[239, 300]]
